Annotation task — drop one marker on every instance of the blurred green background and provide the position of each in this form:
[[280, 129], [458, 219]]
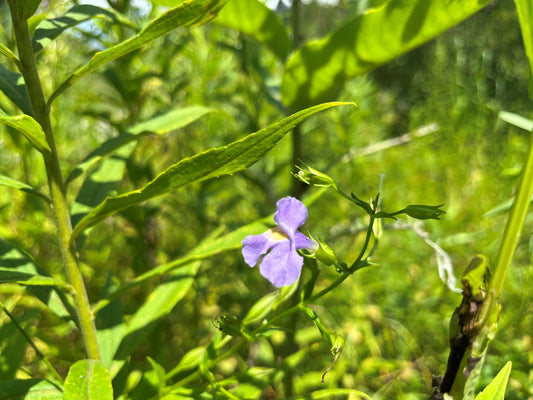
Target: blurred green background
[[394, 318]]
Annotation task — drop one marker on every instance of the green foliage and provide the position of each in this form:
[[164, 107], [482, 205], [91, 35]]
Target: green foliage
[[177, 313]]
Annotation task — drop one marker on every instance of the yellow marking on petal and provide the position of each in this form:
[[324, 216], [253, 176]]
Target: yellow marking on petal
[[277, 234]]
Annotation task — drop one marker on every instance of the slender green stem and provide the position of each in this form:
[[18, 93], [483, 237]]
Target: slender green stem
[[511, 234], [55, 181]]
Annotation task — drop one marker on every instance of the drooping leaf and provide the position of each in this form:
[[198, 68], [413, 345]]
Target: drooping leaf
[[188, 13], [14, 87], [28, 127], [496, 389], [13, 183], [318, 70], [29, 389], [88, 380], [255, 19], [49, 29], [212, 163]]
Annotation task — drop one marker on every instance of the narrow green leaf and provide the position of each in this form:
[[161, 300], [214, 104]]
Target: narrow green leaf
[[13, 183], [29, 128], [14, 88], [516, 120], [496, 389], [9, 54], [255, 19], [17, 266], [318, 70], [261, 308], [188, 13], [160, 125], [331, 394], [88, 380], [29, 389], [212, 163], [49, 29], [502, 207]]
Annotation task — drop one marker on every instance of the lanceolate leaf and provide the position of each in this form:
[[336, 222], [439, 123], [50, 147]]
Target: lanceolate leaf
[[255, 19], [88, 380], [496, 389], [29, 389], [49, 29], [29, 128], [14, 88], [316, 72], [13, 183], [186, 14], [212, 163]]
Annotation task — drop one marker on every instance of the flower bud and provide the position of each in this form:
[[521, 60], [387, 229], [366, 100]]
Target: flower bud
[[323, 252], [313, 177]]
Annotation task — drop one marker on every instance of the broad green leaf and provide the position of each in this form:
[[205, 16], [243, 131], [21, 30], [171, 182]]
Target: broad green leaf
[[496, 389], [13, 183], [318, 70], [160, 125], [14, 88], [255, 19], [215, 162], [516, 120], [49, 29], [88, 380], [17, 266], [524, 9], [29, 389], [29, 128], [188, 13]]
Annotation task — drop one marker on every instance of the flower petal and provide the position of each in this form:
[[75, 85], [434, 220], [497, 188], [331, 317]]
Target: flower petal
[[282, 265], [291, 213], [303, 242], [254, 246]]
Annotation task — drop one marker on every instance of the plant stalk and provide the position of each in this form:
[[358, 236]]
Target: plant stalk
[[55, 182]]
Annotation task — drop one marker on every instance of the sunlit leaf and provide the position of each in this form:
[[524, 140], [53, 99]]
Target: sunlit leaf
[[88, 380], [28, 127], [255, 19], [212, 163], [516, 120], [188, 13], [317, 71], [496, 389]]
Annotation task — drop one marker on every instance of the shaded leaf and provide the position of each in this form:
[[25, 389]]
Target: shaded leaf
[[17, 266], [49, 29], [212, 163], [9, 54], [188, 13], [317, 71], [255, 19], [88, 379], [13, 183], [30, 128], [14, 88], [29, 389]]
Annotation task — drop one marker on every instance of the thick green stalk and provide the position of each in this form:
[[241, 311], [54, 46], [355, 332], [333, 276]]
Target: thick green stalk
[[55, 181]]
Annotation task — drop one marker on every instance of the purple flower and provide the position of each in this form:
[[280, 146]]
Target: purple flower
[[281, 264]]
